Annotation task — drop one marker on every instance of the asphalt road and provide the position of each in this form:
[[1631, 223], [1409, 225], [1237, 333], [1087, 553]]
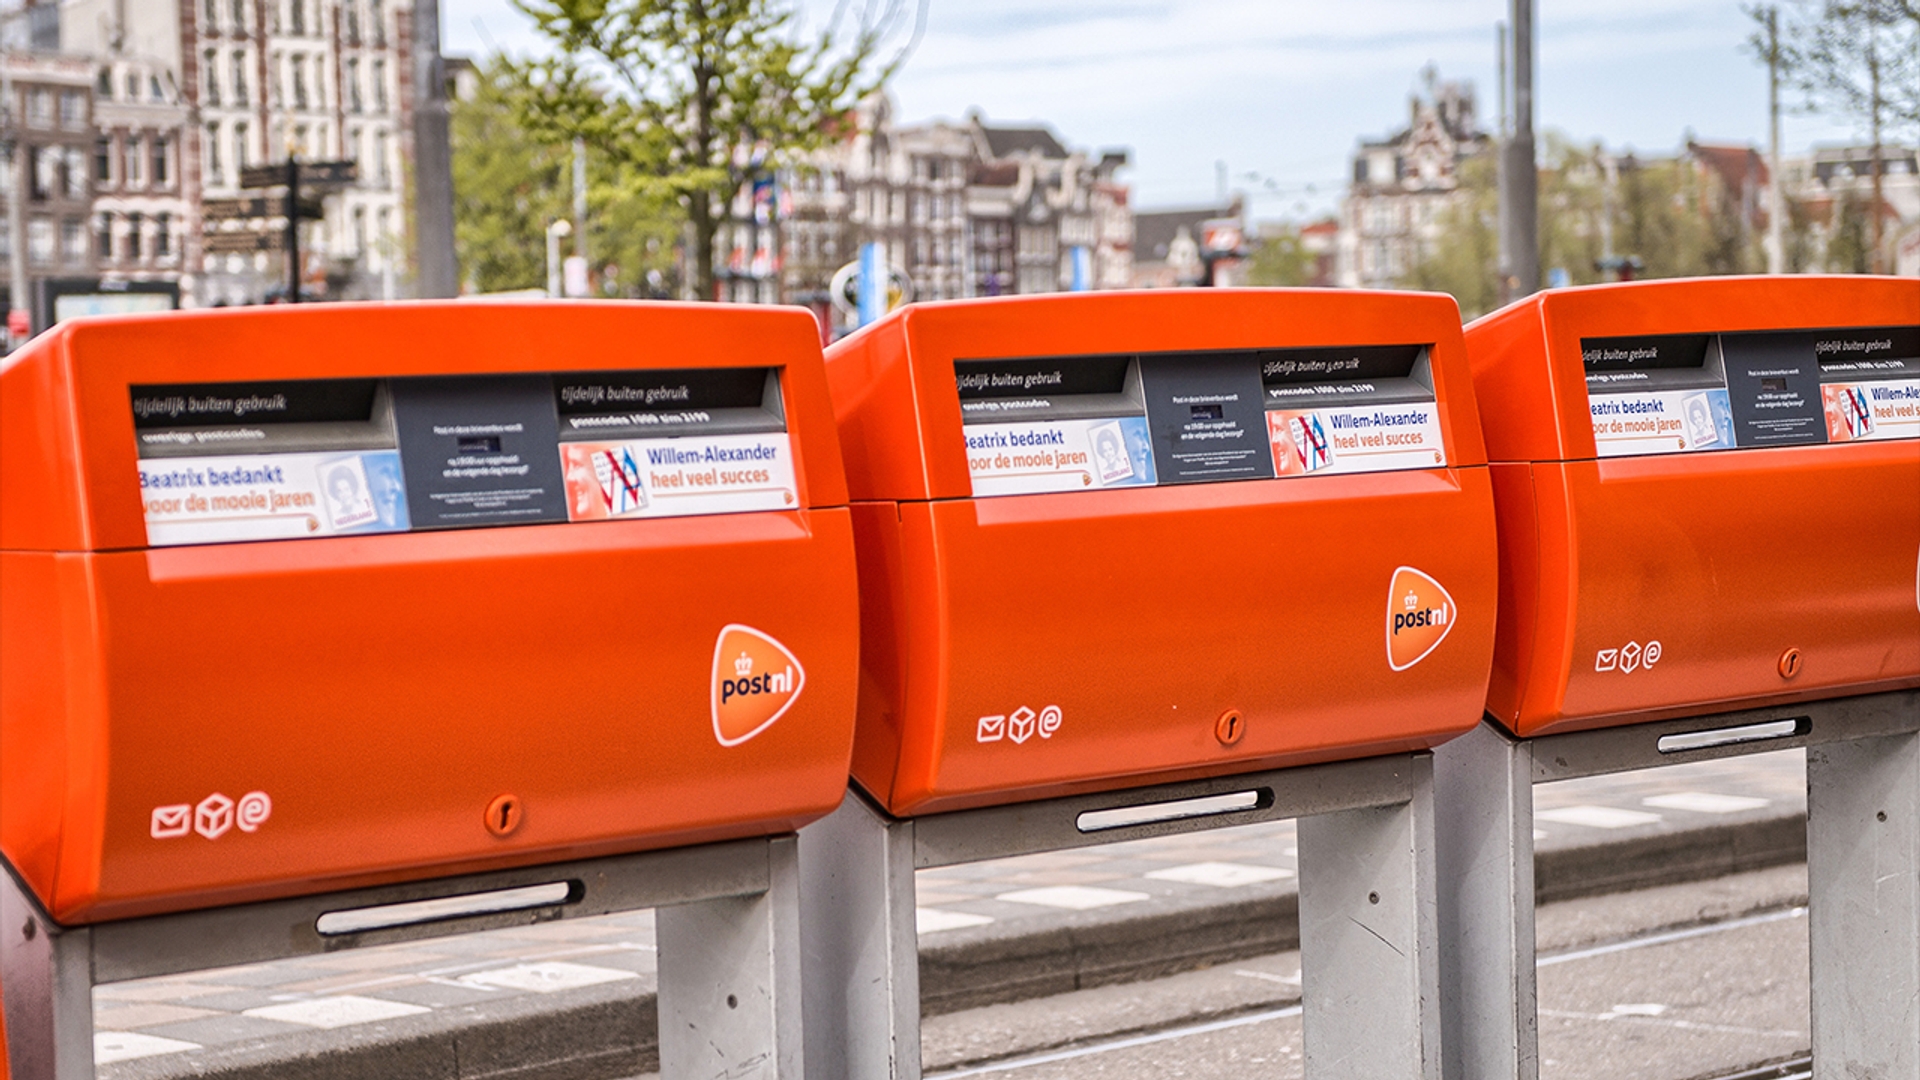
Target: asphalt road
[[1675, 983]]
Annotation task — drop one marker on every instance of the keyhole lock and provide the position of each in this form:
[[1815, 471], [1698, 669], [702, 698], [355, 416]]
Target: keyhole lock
[[503, 815], [1230, 728], [1790, 663]]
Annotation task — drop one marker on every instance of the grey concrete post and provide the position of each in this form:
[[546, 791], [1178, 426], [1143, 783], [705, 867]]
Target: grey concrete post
[[862, 950], [1863, 882], [1369, 950], [47, 984], [730, 980], [1483, 795]]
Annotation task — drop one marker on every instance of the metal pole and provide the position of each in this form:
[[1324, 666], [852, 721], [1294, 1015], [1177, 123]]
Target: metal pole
[[17, 298], [580, 198], [293, 227], [1504, 136], [1521, 211], [1776, 203], [439, 274]]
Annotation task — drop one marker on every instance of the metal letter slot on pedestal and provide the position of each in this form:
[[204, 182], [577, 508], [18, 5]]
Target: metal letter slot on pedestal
[[1709, 504], [339, 625], [1140, 564]]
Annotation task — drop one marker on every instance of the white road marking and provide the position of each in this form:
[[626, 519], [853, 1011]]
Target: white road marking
[[1220, 875], [1073, 897], [112, 1046], [342, 1010], [928, 920], [1702, 802], [547, 978], [1596, 817]]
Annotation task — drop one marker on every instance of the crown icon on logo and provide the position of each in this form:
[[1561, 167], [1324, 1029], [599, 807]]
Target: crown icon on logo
[[1412, 601], [744, 665]]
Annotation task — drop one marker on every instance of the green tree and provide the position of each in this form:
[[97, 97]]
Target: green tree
[[1282, 260], [1465, 259], [1859, 59], [509, 183], [695, 98]]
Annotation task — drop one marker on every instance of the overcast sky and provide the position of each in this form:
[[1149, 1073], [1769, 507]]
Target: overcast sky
[[1285, 89]]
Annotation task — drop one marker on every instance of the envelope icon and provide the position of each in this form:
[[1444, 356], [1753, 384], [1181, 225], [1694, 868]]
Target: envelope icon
[[991, 729], [1606, 660], [172, 821]]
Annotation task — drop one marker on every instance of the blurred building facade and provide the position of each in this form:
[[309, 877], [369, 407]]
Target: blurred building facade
[[1403, 185], [180, 97], [957, 209], [49, 200]]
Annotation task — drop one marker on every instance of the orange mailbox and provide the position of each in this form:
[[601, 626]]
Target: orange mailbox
[[302, 600], [1709, 496], [1107, 540]]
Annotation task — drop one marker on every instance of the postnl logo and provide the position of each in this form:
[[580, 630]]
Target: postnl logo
[[755, 681], [1420, 613]]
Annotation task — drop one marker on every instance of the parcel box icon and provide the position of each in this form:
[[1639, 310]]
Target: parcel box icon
[[1709, 495], [1111, 539], [298, 600]]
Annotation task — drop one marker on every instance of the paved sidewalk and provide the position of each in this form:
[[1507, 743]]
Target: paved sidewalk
[[315, 1009]]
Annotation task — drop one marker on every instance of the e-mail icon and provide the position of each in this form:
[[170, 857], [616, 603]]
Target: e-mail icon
[[172, 821], [1606, 660], [991, 729]]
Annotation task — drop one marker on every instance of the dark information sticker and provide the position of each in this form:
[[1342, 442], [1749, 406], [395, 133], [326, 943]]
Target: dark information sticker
[[1206, 417], [479, 450]]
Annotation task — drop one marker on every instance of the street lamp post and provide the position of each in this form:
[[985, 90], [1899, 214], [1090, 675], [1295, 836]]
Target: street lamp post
[[556, 230]]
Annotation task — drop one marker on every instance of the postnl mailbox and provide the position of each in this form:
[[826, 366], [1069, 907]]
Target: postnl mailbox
[[306, 600], [1106, 540], [1709, 496]]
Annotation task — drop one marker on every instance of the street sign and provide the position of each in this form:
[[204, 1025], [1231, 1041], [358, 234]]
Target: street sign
[[259, 206], [311, 172], [241, 243]]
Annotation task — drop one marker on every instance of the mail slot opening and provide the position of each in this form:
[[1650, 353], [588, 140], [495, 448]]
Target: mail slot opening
[[1730, 736], [1121, 817], [441, 909]]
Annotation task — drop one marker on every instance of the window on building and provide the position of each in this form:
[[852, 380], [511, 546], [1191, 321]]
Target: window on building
[[380, 158], [136, 161], [298, 64], [215, 174], [40, 107], [242, 152], [162, 235], [377, 21], [40, 240], [319, 84], [158, 148], [297, 17], [154, 93], [352, 89], [133, 86], [239, 16], [359, 230], [213, 16], [380, 86], [213, 77], [134, 221], [73, 240], [102, 161], [73, 172], [43, 172], [103, 236], [239, 77], [103, 85]]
